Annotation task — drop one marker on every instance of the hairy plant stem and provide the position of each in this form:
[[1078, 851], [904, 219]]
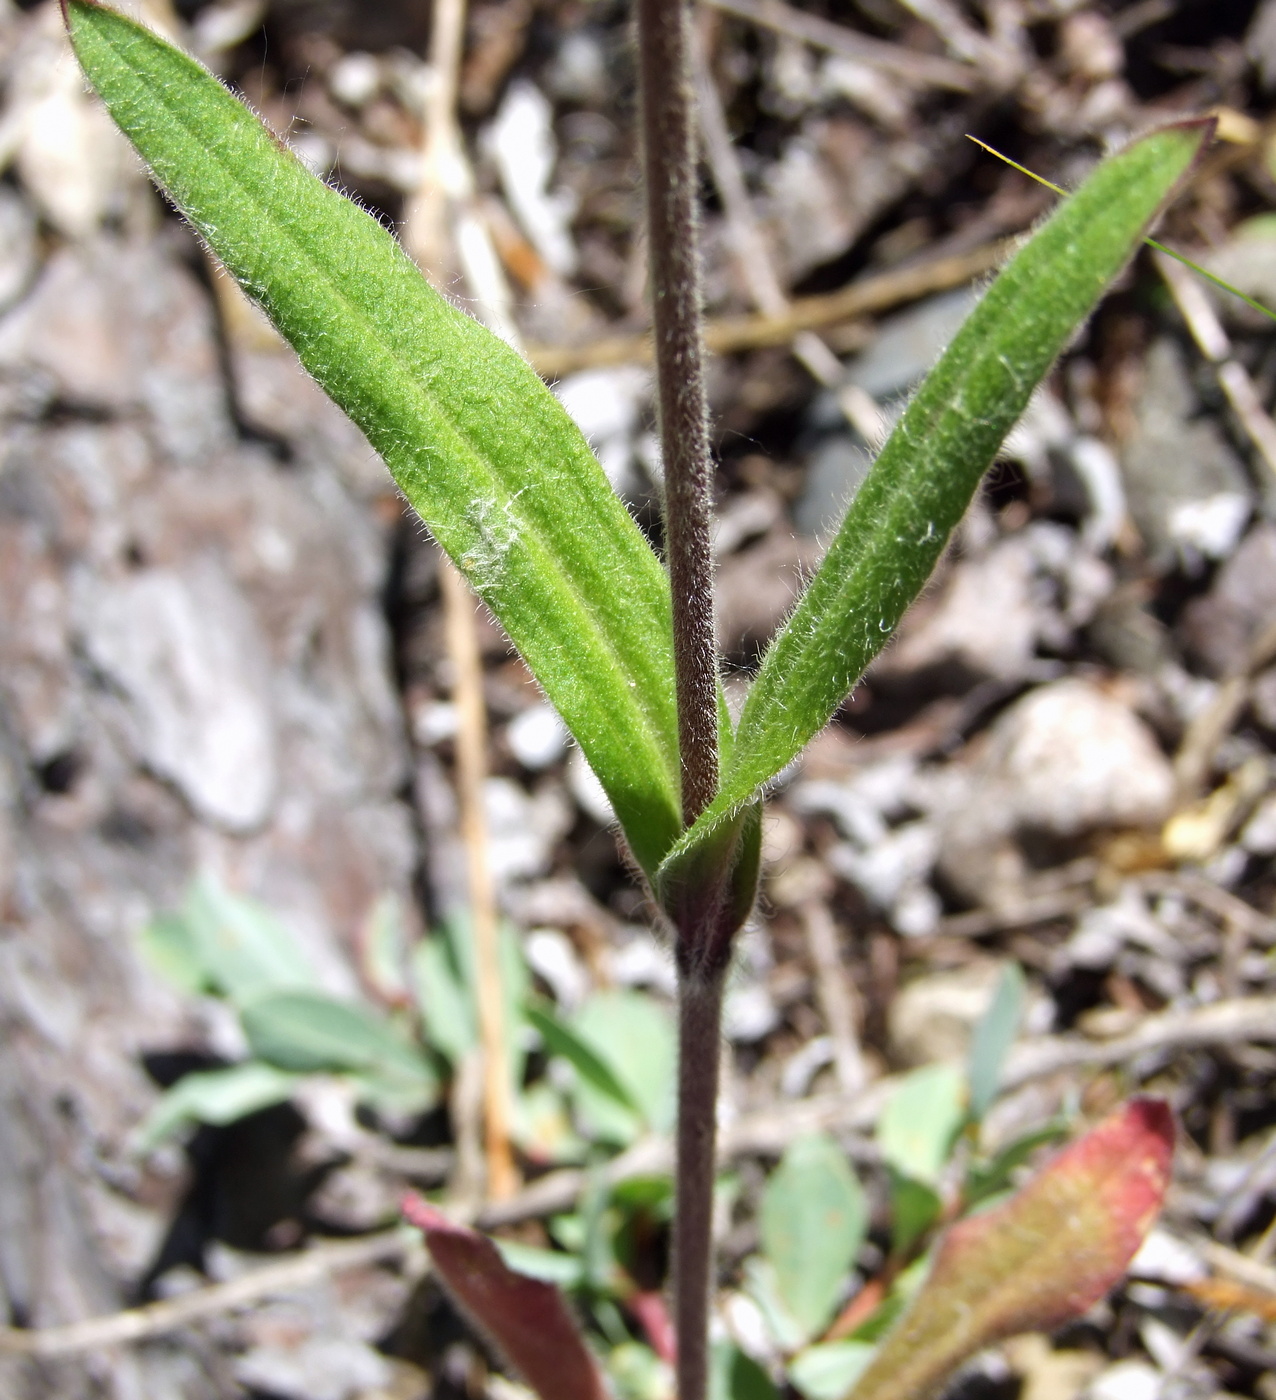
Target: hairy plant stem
[[699, 1043], [669, 156]]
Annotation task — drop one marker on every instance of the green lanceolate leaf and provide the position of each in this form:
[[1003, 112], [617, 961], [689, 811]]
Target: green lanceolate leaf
[[306, 1033], [216, 1096], [928, 470], [994, 1035], [561, 1040], [479, 446]]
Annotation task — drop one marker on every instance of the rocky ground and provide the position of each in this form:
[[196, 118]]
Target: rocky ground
[[222, 654]]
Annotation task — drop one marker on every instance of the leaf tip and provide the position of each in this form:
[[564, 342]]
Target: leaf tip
[[433, 1223], [1129, 1157], [416, 1210], [1203, 126]]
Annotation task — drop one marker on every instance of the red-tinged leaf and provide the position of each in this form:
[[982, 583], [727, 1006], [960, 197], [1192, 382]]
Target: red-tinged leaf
[[1046, 1255], [528, 1321]]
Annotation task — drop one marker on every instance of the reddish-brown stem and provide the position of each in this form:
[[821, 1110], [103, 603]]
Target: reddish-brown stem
[[699, 1043], [669, 157]]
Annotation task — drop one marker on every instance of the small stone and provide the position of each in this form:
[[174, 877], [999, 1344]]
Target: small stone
[[537, 737], [1263, 698], [933, 1018], [578, 72], [318, 1368], [1127, 635], [1258, 836], [997, 608], [1247, 260], [591, 797], [522, 829], [803, 1065], [433, 722], [901, 859], [1048, 1374], [1165, 1257], [909, 343], [1223, 625], [606, 405], [916, 911], [355, 79], [1212, 525], [797, 881], [552, 957], [1127, 1380], [1068, 758], [1185, 485], [1065, 760], [71, 156], [640, 961], [749, 1014]]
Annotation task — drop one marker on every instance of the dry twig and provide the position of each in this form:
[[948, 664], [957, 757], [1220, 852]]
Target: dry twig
[[754, 258], [170, 1314], [729, 335], [833, 991], [920, 68]]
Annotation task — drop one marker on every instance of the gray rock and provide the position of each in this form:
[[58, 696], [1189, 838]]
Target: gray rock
[[1066, 759], [18, 252], [997, 608], [117, 332], [194, 670], [1129, 636], [833, 475], [833, 179], [1187, 490], [1222, 626], [316, 1368], [908, 344], [184, 649]]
